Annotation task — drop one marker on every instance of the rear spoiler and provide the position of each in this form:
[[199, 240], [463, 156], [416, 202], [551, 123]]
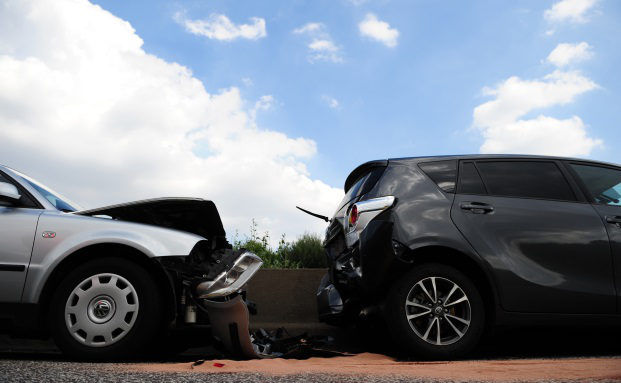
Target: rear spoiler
[[362, 170]]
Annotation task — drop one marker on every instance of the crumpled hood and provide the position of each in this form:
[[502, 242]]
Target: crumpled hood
[[193, 215]]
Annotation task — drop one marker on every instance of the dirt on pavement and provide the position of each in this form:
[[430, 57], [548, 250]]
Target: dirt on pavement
[[566, 369]]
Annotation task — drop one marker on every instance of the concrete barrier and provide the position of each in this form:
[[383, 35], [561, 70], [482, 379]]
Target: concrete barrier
[[286, 298]]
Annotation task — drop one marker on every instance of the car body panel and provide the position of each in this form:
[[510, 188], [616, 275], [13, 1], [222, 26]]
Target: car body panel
[[75, 232], [547, 256], [614, 234], [192, 215], [17, 234]]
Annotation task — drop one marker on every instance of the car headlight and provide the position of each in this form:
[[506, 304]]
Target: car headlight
[[231, 280]]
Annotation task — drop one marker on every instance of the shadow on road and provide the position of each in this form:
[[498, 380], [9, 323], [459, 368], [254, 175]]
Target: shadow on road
[[502, 344]]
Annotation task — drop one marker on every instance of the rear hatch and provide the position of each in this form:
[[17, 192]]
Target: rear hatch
[[358, 184]]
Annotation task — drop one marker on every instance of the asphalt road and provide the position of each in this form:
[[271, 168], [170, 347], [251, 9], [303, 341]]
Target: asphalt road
[[27, 366]]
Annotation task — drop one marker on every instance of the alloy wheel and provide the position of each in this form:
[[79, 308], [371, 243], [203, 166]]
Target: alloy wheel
[[438, 311]]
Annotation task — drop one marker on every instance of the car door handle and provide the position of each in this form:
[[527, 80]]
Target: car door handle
[[477, 207], [614, 220]]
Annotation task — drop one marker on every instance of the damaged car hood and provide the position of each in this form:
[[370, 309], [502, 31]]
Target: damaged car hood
[[193, 215]]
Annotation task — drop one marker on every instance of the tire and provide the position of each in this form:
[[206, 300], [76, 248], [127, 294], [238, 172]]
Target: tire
[[105, 309], [414, 325]]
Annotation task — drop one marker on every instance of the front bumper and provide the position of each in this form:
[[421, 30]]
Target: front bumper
[[229, 325], [209, 294]]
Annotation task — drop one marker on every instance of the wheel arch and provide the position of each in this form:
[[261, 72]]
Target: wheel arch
[[463, 262], [88, 253]]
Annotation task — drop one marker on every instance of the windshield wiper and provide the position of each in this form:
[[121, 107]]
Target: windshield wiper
[[314, 214]]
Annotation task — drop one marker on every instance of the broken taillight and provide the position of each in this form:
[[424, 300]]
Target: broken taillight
[[353, 216]]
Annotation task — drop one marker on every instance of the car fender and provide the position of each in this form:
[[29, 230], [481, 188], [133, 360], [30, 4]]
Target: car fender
[[59, 235]]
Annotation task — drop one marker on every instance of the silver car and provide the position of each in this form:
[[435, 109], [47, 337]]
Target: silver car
[[112, 282]]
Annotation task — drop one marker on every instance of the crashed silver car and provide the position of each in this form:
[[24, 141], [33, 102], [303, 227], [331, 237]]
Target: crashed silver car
[[113, 281]]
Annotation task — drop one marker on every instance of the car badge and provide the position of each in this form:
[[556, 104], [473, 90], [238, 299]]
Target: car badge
[[49, 234]]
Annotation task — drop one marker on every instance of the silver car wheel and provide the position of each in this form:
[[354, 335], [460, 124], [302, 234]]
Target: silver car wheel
[[438, 311], [101, 310]]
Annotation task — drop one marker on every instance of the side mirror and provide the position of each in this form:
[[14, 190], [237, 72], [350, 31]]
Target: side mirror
[[9, 193]]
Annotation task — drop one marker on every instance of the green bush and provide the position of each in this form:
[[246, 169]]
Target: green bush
[[305, 252]]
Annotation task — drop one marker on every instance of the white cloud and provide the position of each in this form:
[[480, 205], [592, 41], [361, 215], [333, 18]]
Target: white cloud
[[86, 110], [310, 28], [219, 27], [504, 124], [332, 102], [569, 10], [565, 54], [378, 30], [321, 46]]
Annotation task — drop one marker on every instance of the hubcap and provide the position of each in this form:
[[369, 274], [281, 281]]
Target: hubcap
[[101, 310], [438, 311]]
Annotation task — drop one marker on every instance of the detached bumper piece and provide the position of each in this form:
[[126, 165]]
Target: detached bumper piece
[[229, 325], [227, 310]]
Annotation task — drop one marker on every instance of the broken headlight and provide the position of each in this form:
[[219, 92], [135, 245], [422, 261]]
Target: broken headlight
[[231, 280]]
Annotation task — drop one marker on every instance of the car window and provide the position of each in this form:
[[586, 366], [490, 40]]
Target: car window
[[363, 185], [525, 179], [469, 180], [604, 184], [25, 200], [61, 203], [443, 173]]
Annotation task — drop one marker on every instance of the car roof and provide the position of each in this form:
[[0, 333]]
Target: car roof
[[497, 156], [361, 169]]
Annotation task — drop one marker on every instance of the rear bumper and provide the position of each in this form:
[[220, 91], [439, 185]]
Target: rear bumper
[[329, 302], [359, 274]]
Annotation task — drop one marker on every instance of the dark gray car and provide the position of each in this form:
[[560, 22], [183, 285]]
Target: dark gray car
[[445, 247]]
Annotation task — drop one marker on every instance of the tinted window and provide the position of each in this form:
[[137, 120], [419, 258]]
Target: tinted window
[[604, 184], [443, 173], [527, 179], [469, 180], [363, 185]]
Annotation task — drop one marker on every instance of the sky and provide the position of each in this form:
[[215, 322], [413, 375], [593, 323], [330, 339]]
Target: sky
[[261, 106]]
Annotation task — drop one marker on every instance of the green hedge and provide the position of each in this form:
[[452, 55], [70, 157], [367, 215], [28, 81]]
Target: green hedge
[[305, 252]]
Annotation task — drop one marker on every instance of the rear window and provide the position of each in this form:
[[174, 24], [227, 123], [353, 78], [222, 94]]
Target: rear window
[[363, 185], [470, 181], [443, 173], [526, 179]]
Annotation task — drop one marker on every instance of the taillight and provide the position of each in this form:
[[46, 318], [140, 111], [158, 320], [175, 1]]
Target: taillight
[[353, 216]]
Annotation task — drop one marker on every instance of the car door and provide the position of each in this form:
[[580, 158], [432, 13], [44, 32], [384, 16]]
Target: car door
[[547, 246], [602, 184], [18, 224]]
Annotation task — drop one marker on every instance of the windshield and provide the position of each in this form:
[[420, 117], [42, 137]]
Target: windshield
[[61, 203]]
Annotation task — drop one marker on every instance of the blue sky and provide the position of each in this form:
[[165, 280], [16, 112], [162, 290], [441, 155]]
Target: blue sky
[[416, 98], [262, 106]]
